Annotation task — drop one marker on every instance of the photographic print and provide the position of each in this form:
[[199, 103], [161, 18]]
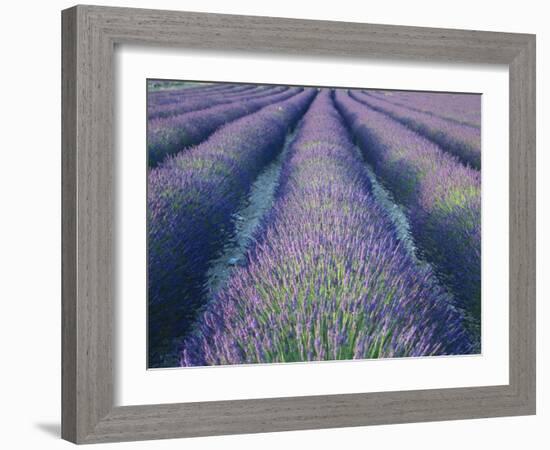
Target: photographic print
[[297, 224]]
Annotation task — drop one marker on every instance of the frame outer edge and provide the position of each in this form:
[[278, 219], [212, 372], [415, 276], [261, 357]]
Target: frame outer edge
[[95, 222], [87, 251], [68, 224], [523, 224], [531, 220]]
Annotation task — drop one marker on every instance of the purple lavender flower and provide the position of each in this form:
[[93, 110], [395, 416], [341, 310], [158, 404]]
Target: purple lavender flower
[[165, 97], [186, 103], [191, 199], [461, 140], [442, 196], [172, 134], [464, 109], [327, 277]]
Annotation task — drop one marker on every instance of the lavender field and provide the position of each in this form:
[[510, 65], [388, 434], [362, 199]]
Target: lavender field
[[293, 224]]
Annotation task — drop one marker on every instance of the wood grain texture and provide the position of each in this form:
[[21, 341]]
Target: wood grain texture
[[523, 224], [89, 36], [68, 225]]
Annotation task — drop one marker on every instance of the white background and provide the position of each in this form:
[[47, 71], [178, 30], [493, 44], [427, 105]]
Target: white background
[[135, 386], [30, 233]]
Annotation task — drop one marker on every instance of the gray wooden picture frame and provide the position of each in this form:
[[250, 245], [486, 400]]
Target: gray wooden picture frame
[[90, 34]]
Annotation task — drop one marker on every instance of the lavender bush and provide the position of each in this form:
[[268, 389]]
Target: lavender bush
[[461, 140], [191, 199], [171, 134], [327, 279], [441, 195]]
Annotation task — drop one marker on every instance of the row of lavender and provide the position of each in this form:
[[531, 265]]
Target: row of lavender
[[188, 103], [172, 134], [463, 141], [167, 96], [441, 196], [460, 108], [191, 199], [328, 278]]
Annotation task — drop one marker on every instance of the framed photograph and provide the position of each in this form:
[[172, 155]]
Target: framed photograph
[[268, 222]]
